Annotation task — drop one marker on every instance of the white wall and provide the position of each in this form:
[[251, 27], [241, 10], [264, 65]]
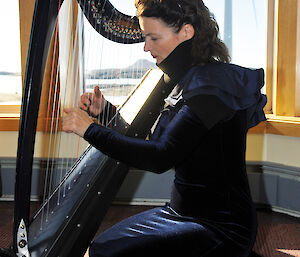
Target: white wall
[[274, 148], [261, 148], [9, 143]]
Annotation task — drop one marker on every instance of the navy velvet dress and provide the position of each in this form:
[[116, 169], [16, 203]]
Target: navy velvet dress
[[201, 133]]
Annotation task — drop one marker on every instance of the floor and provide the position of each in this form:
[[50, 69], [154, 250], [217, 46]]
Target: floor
[[278, 234]]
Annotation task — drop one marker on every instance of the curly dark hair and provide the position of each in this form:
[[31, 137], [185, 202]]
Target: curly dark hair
[[207, 47]]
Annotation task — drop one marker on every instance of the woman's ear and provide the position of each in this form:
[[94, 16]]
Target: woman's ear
[[188, 31]]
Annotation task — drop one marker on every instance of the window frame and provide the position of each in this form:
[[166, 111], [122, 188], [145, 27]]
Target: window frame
[[10, 114], [283, 56], [283, 71]]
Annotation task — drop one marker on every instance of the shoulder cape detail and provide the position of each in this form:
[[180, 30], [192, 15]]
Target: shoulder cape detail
[[237, 87]]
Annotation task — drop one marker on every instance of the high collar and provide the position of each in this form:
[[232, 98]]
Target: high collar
[[178, 62]]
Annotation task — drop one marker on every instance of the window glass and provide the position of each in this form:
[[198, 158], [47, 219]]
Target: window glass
[[10, 61], [243, 27], [116, 68]]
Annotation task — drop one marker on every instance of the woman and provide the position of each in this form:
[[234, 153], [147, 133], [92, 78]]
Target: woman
[[201, 133]]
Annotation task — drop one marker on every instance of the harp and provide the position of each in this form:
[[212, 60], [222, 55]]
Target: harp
[[72, 210]]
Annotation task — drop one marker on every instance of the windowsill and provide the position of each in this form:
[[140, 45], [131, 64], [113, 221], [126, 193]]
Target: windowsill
[[9, 122], [9, 117], [279, 125], [13, 109]]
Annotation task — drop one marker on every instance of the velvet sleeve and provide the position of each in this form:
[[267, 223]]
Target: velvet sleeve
[[110, 117], [177, 141]]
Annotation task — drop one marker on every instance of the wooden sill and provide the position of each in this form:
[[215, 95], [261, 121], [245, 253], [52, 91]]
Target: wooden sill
[[9, 109], [9, 122], [9, 117], [279, 125]]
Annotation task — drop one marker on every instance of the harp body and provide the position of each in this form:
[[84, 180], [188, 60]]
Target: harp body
[[69, 226]]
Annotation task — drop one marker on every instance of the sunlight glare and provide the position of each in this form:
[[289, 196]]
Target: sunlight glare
[[295, 253]]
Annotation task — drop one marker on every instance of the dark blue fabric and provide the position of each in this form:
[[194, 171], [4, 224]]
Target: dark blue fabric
[[177, 134], [208, 154], [159, 232], [238, 87], [210, 177]]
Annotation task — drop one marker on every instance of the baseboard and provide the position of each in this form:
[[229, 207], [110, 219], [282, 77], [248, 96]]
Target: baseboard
[[271, 184], [10, 198], [295, 214], [275, 185]]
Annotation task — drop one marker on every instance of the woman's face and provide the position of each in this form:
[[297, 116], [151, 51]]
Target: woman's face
[[160, 39]]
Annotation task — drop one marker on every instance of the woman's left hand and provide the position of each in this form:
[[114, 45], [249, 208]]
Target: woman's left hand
[[76, 121]]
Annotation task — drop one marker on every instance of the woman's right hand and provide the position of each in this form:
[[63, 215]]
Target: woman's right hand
[[93, 103]]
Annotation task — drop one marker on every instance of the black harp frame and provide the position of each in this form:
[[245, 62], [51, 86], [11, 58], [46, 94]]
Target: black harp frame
[[80, 225]]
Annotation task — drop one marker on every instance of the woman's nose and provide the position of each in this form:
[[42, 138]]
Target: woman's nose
[[146, 46]]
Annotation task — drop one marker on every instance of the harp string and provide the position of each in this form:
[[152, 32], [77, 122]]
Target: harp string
[[78, 75], [53, 133], [53, 126], [56, 132], [114, 76], [67, 140]]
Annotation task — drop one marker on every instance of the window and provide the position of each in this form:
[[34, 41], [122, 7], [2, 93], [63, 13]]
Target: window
[[243, 28], [10, 62], [10, 65], [256, 32], [285, 58], [118, 67], [282, 73]]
